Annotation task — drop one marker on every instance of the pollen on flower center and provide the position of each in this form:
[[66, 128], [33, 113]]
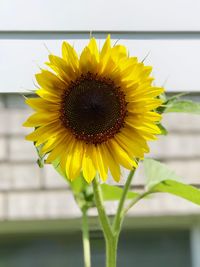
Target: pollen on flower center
[[93, 108]]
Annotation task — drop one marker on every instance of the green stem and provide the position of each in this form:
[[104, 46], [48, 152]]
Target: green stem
[[111, 252], [110, 238], [134, 201], [86, 239], [105, 223], [111, 233], [120, 215]]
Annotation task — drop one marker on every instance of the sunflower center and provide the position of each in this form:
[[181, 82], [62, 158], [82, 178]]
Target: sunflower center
[[93, 108]]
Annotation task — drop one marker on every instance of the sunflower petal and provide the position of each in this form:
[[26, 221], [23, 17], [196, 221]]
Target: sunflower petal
[[94, 49], [49, 81], [89, 170], [51, 143], [55, 153], [74, 159], [63, 70], [113, 165], [53, 97], [106, 48], [118, 52], [42, 133], [101, 163], [70, 56], [41, 104], [41, 118], [121, 156]]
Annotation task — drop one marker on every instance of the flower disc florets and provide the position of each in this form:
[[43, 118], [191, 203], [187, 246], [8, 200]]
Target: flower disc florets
[[93, 108]]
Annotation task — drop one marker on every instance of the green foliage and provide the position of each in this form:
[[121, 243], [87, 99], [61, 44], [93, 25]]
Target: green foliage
[[161, 179], [83, 192], [184, 106], [111, 192], [176, 104], [41, 158], [157, 172], [78, 185], [162, 129], [179, 189], [168, 101], [56, 165]]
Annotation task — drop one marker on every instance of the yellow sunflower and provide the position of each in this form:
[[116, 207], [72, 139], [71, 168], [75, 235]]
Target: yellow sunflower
[[94, 113]]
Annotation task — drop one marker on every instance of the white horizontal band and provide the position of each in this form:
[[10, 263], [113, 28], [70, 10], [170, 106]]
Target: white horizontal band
[[176, 63], [99, 15]]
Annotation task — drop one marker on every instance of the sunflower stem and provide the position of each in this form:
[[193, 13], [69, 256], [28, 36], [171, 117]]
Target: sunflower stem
[[111, 232], [120, 214], [86, 238], [103, 218], [111, 252], [110, 238]]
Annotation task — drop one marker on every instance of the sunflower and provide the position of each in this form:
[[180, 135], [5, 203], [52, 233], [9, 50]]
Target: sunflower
[[94, 113]]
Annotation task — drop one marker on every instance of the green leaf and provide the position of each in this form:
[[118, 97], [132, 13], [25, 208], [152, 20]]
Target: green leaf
[[157, 172], [163, 129], [184, 106], [111, 192], [167, 101], [179, 189]]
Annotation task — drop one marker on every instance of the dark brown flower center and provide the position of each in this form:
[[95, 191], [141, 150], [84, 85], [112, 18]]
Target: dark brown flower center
[[93, 108]]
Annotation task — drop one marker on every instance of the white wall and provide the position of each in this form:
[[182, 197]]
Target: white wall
[[169, 30]]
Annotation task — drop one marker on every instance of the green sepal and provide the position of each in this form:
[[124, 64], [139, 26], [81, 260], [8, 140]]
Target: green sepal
[[41, 158], [83, 192], [162, 129]]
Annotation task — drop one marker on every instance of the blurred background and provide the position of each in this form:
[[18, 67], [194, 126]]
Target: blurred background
[[39, 220]]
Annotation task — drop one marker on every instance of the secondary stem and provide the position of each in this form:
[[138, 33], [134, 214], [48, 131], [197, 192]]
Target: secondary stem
[[134, 201], [86, 239], [119, 215]]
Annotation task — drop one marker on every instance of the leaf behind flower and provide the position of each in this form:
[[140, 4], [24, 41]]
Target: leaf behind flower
[[111, 192]]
